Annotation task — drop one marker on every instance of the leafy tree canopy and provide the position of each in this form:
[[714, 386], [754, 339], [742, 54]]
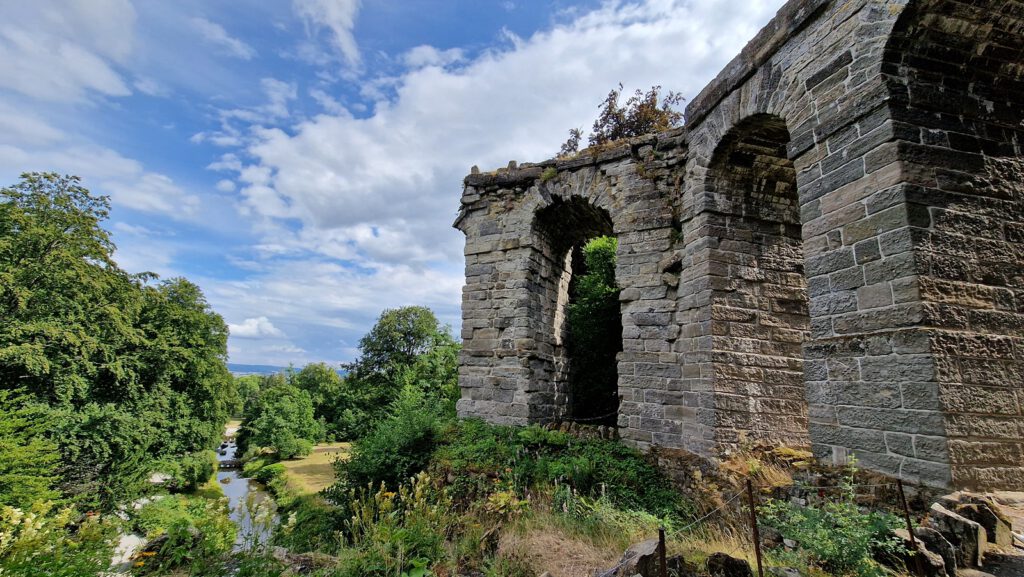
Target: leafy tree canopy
[[282, 419], [640, 114], [129, 370], [28, 460], [407, 346]]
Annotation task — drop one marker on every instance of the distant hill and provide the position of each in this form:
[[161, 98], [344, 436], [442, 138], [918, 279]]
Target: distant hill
[[240, 370]]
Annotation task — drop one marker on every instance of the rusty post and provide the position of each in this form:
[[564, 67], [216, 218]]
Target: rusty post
[[910, 529], [753, 527], [661, 552]]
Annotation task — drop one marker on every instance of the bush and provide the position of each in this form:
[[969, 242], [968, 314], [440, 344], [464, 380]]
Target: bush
[[268, 473], [396, 532], [189, 471], [198, 532], [641, 114], [836, 535], [252, 467], [396, 449], [477, 457], [41, 541], [310, 524]]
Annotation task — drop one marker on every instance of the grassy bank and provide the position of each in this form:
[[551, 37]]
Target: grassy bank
[[314, 472]]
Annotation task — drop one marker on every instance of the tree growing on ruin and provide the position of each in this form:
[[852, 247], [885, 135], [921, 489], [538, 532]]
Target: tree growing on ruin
[[642, 113]]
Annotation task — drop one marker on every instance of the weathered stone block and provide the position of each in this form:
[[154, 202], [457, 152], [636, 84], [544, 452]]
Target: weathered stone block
[[967, 537]]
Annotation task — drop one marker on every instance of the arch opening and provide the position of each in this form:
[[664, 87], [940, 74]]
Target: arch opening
[[760, 313], [580, 309]]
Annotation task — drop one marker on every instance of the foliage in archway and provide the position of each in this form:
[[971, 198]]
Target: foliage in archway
[[595, 333]]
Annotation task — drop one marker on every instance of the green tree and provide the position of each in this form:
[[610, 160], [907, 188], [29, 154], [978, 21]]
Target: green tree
[[129, 370], [189, 390], [323, 384], [640, 114], [406, 346], [399, 336], [248, 391], [66, 309], [282, 419], [28, 459]]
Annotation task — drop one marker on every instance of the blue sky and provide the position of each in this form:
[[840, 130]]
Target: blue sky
[[301, 160]]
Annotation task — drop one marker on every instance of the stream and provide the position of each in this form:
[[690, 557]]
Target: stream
[[251, 507]]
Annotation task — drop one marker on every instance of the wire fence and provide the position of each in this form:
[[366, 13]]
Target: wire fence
[[749, 497]]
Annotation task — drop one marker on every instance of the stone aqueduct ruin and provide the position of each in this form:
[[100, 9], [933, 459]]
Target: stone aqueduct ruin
[[830, 253]]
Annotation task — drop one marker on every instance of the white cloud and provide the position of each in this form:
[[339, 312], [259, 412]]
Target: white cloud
[[131, 229], [104, 171], [331, 300], [58, 50], [288, 349], [255, 328], [338, 17], [150, 87], [327, 102], [19, 126], [225, 185], [425, 55], [384, 188], [215, 34]]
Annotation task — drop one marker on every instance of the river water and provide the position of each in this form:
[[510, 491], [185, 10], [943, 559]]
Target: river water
[[252, 508]]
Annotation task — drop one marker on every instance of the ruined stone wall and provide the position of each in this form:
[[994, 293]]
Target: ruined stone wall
[[522, 223], [830, 253]]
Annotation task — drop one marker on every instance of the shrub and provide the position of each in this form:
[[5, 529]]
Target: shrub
[[310, 524], [835, 534], [42, 541], [641, 114], [189, 471], [396, 449], [252, 467], [198, 532], [268, 473], [477, 458], [396, 532]]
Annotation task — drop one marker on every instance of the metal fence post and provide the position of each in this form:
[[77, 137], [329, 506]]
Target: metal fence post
[[753, 527], [910, 529], [661, 552]]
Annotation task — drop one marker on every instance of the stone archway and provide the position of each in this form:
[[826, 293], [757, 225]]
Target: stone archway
[[587, 394], [759, 311], [903, 121]]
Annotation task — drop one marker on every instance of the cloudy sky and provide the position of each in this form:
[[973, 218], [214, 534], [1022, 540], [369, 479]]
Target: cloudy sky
[[301, 160]]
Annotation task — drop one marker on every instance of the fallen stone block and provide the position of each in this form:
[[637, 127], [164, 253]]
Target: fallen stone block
[[967, 537], [930, 563], [938, 544], [997, 527]]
